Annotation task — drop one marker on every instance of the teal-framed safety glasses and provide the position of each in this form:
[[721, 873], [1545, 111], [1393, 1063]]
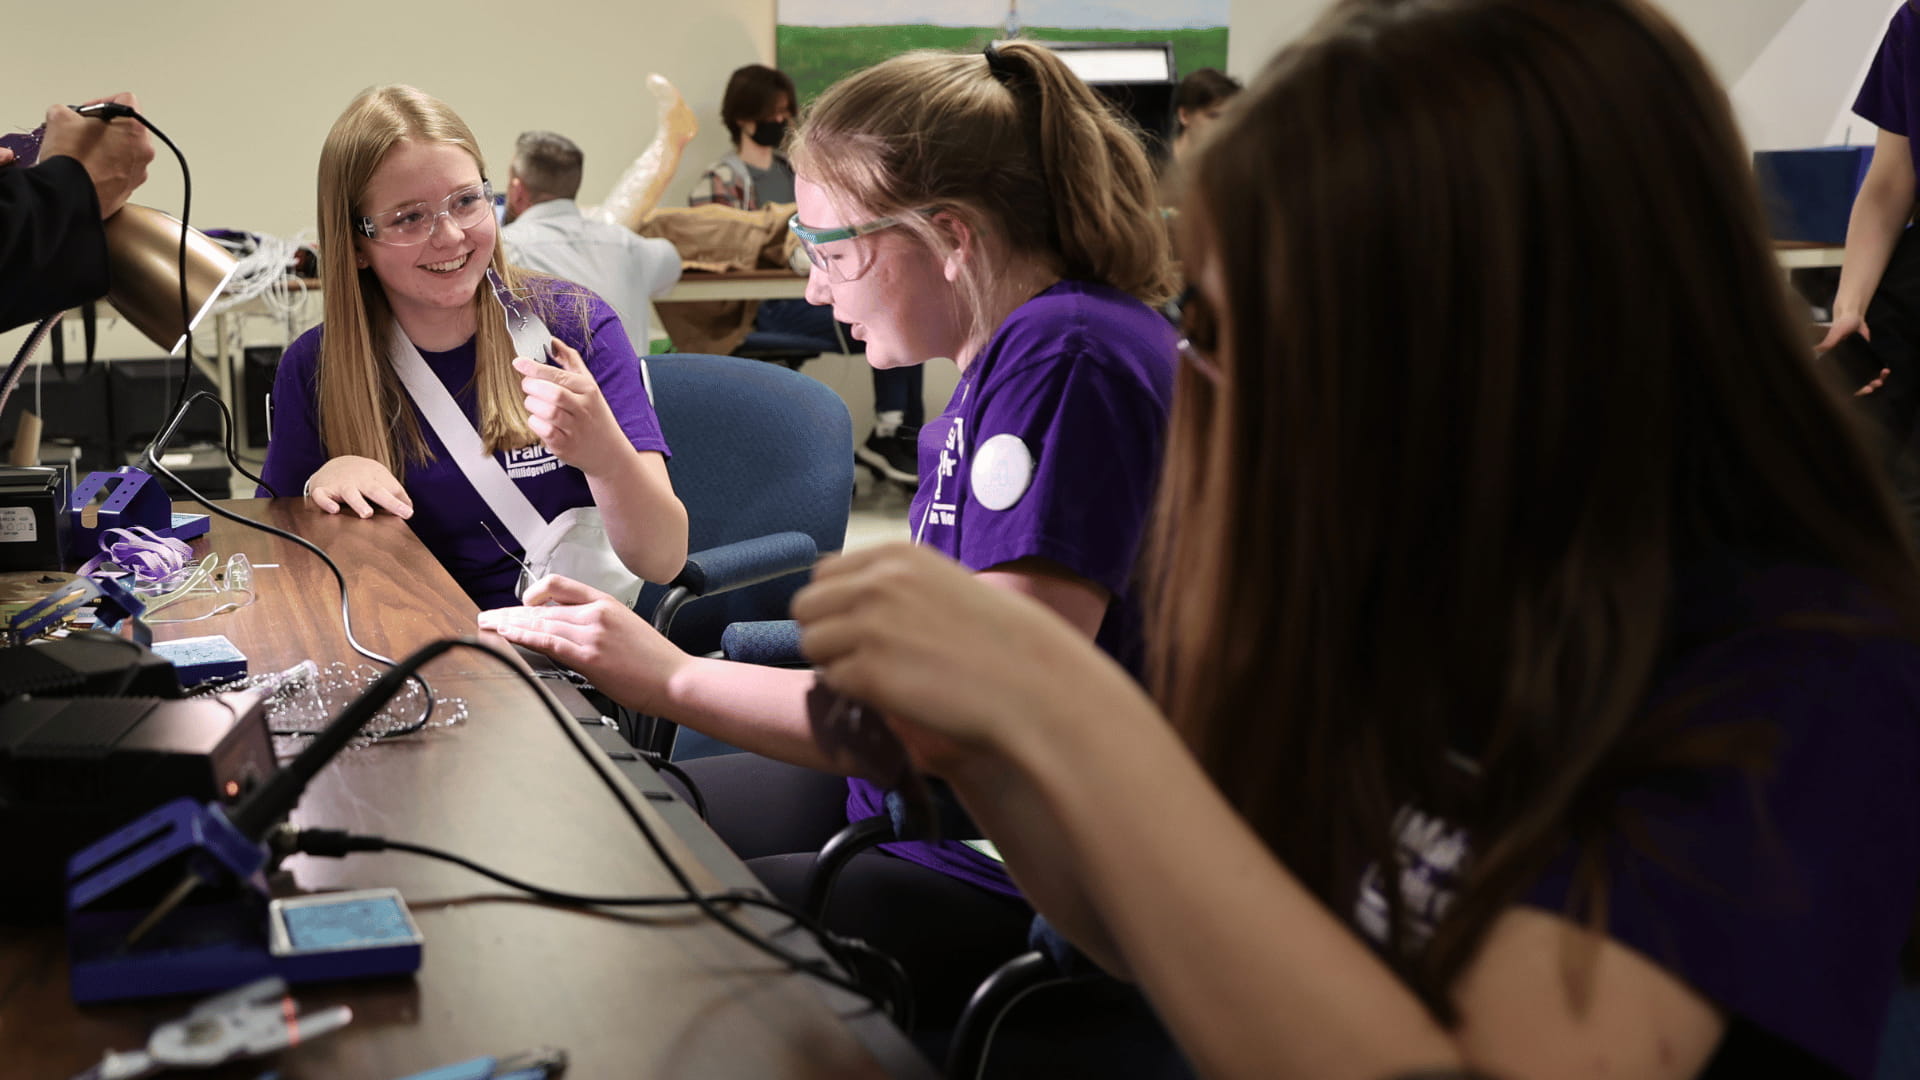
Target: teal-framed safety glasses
[[832, 250]]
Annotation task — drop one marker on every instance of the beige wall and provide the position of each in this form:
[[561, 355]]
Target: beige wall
[[248, 89], [1731, 33]]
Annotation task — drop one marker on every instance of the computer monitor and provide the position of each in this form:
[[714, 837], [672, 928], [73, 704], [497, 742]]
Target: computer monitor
[[1139, 78]]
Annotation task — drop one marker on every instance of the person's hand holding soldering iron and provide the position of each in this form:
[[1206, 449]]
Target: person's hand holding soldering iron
[[114, 150]]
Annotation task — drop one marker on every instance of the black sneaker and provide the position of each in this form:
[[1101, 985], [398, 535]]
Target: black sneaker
[[895, 457]]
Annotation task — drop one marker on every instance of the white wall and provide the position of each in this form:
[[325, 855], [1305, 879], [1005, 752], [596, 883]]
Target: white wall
[[1791, 66], [248, 88], [1798, 90]]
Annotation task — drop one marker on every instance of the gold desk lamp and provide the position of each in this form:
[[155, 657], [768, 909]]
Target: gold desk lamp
[[143, 267], [143, 258]]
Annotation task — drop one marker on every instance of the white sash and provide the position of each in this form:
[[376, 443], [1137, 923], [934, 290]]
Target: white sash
[[574, 543]]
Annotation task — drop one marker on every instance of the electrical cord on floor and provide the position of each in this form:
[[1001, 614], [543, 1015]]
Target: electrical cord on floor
[[153, 457], [895, 997]]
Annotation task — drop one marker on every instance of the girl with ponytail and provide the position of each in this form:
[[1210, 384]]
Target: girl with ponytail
[[992, 211]]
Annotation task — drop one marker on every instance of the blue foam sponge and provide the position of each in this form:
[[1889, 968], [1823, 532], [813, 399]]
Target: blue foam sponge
[[198, 660]]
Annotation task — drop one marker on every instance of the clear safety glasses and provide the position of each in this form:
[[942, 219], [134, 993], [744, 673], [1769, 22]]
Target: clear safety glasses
[[412, 224]]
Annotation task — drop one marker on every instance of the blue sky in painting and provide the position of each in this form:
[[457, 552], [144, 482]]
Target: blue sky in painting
[[1106, 14]]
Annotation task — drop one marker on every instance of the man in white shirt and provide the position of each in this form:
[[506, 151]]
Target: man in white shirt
[[546, 232]]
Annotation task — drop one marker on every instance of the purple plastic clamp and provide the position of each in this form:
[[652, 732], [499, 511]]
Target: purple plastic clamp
[[132, 500]]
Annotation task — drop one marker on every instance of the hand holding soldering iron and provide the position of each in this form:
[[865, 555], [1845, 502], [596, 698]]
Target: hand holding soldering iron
[[114, 150]]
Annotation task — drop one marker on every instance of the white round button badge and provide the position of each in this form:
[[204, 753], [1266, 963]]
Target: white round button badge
[[1002, 469]]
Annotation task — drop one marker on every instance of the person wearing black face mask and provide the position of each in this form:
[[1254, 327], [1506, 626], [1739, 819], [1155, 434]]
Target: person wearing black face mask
[[757, 108], [769, 133]]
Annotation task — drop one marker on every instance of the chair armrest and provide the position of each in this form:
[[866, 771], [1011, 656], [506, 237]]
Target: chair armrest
[[746, 562], [708, 573], [774, 643], [973, 1034], [837, 852]]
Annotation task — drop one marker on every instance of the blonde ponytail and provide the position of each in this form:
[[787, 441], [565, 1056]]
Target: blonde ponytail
[[1014, 143], [1106, 214]]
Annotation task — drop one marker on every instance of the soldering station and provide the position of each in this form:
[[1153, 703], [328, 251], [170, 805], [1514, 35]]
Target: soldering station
[[132, 810]]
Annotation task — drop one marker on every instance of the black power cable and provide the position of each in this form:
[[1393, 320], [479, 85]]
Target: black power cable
[[661, 764], [271, 803], [111, 110], [152, 456], [851, 952]]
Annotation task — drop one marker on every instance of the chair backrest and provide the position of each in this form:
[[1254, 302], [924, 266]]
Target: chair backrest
[[757, 449]]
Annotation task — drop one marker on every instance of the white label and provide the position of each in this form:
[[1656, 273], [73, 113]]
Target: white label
[[17, 525]]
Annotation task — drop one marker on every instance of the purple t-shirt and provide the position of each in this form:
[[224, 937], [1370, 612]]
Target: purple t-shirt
[[1050, 448], [449, 516], [1890, 98], [1784, 897]]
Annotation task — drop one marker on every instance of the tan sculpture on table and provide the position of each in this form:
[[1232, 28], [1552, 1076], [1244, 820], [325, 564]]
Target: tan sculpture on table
[[638, 190], [711, 237]]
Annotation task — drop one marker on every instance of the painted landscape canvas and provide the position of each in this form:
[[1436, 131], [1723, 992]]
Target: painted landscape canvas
[[820, 40]]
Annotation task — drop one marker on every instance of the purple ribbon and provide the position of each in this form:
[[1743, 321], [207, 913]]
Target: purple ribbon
[[147, 555]]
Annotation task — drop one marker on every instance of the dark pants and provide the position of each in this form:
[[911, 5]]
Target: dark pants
[[1893, 318], [894, 389], [947, 933]]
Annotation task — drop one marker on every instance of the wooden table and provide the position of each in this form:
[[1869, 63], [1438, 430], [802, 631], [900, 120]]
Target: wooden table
[[667, 995]]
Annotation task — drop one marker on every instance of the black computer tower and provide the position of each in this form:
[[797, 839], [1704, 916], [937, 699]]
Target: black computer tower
[[77, 429]]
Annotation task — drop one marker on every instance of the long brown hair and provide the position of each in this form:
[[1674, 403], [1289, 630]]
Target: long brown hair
[[1503, 344], [363, 407], [1026, 154]]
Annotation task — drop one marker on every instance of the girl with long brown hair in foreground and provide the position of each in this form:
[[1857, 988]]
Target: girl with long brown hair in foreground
[[1538, 638]]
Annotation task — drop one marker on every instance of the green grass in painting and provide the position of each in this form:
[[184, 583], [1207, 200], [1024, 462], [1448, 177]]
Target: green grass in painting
[[817, 55]]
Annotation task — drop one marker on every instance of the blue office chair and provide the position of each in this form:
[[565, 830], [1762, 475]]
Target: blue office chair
[[760, 460], [791, 332], [791, 350]]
